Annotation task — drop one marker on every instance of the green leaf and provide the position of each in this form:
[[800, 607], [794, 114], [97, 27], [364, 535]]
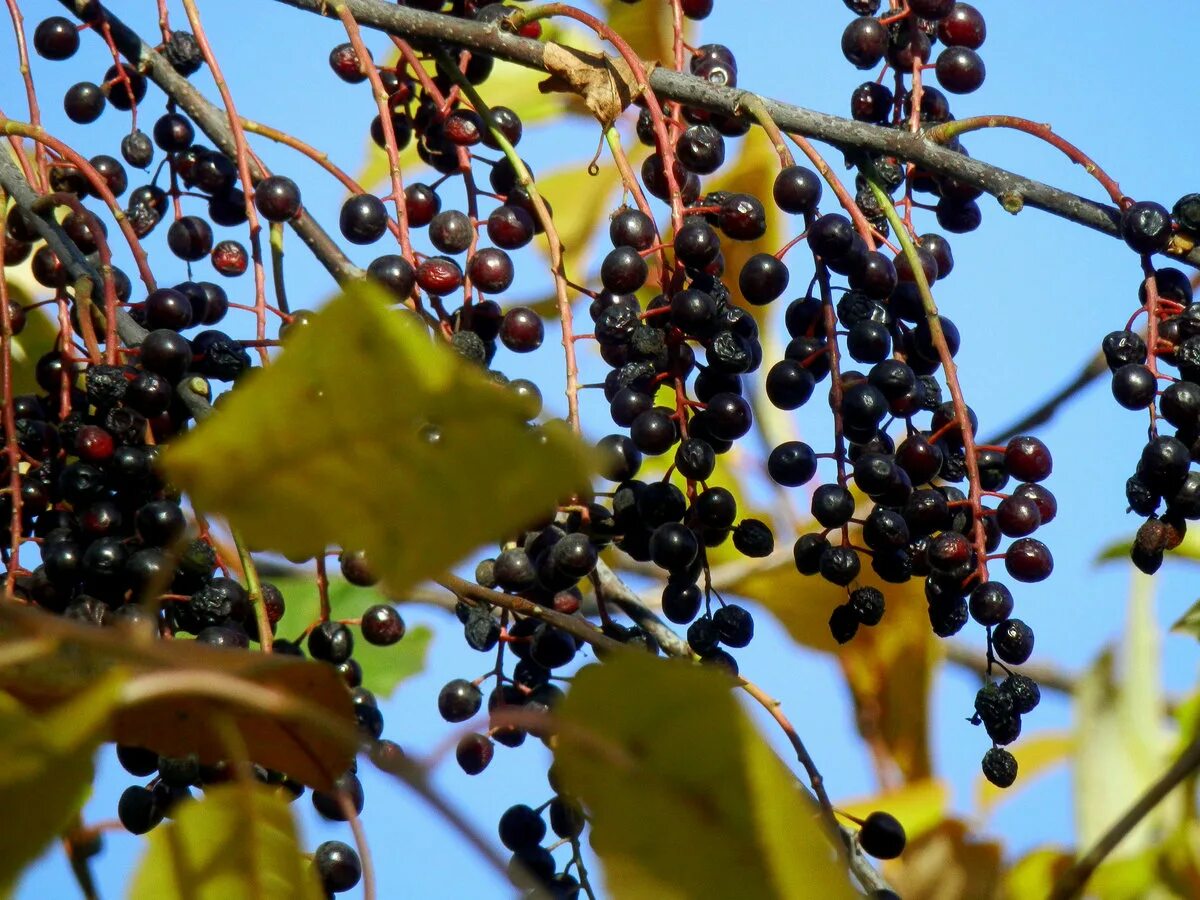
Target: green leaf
[[1117, 550], [888, 668], [1187, 551], [46, 770], [1122, 744], [238, 843], [685, 797], [1035, 754], [383, 668], [330, 445], [1189, 622]]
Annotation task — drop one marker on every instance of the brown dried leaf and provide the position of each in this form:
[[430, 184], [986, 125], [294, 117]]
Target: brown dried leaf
[[947, 863], [607, 84], [195, 689]]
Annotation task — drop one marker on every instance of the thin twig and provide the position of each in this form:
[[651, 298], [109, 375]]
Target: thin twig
[[1071, 883], [1094, 369], [577, 627]]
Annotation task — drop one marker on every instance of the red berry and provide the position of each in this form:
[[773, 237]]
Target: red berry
[[439, 275], [94, 444], [230, 258], [522, 330], [1028, 459]]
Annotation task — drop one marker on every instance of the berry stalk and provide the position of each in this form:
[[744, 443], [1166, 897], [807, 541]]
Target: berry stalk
[[554, 244], [948, 366]]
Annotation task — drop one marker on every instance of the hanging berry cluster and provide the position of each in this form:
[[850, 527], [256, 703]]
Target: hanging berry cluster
[[1164, 487]]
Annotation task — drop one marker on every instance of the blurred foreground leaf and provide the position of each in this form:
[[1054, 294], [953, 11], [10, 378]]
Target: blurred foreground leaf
[[238, 843], [366, 434], [947, 862], [686, 798], [1034, 874], [1122, 744], [46, 770], [178, 692]]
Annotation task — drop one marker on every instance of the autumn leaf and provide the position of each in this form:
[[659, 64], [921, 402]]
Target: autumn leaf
[[685, 797], [365, 433]]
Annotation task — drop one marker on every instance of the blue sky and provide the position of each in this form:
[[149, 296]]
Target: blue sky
[[1032, 296]]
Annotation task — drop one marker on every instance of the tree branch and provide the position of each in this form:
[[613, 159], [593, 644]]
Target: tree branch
[[13, 181], [1015, 191], [214, 123], [1092, 370], [611, 588]]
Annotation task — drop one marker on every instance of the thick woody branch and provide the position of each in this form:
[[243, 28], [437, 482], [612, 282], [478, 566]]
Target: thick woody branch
[[1015, 191], [214, 123]]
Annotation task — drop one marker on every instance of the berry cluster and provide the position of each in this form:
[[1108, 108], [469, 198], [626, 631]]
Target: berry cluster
[[1164, 488], [523, 831], [909, 517], [115, 544], [907, 486]]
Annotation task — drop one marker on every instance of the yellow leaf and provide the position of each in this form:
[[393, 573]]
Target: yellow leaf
[[686, 799], [647, 28], [1122, 745], [1034, 874], [238, 843], [1035, 754], [41, 329], [34, 341], [577, 200], [919, 806], [46, 770], [375, 172], [367, 434], [889, 668]]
